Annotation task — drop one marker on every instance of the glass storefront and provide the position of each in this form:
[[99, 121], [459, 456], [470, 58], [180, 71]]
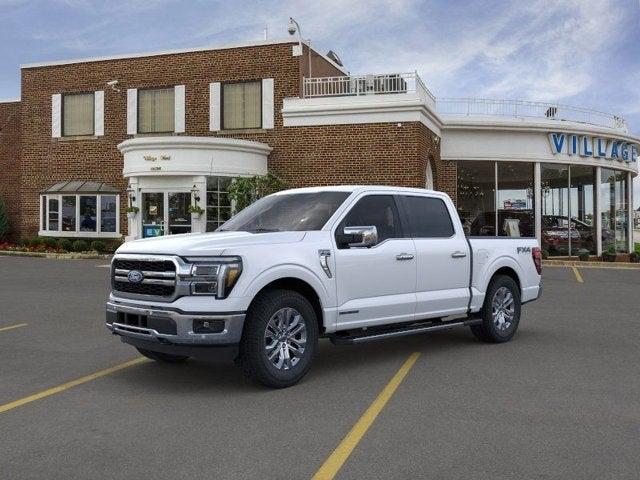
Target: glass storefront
[[614, 190], [498, 199], [508, 213], [477, 197]]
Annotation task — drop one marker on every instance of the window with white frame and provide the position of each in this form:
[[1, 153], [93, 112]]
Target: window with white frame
[[218, 202], [156, 110], [78, 215], [241, 105], [78, 114]]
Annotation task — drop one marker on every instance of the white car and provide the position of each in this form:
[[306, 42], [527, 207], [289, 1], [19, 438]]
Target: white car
[[352, 264]]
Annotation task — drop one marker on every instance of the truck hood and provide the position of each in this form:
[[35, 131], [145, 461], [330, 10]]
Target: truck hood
[[205, 244]]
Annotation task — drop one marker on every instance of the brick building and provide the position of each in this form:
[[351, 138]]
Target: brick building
[[162, 131]]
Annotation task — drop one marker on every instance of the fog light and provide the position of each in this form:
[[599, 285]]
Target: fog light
[[204, 288], [208, 326]]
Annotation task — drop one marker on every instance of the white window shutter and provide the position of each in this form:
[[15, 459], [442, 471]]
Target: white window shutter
[[179, 100], [268, 109], [98, 113], [132, 111], [215, 112], [56, 115]]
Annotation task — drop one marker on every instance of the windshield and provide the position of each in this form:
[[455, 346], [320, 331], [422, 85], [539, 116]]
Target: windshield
[[286, 212]]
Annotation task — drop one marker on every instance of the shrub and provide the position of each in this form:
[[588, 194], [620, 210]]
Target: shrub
[[545, 254], [243, 191], [112, 246], [634, 257], [4, 221], [35, 241], [65, 244], [49, 242], [80, 246], [98, 246], [583, 254], [25, 242]]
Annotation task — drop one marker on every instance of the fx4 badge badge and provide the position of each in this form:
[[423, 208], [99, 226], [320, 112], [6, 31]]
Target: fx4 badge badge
[[523, 249]]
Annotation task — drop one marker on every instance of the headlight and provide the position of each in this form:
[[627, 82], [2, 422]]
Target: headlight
[[214, 275]]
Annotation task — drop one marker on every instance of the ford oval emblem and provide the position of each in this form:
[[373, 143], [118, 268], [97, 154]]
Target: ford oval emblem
[[135, 276]]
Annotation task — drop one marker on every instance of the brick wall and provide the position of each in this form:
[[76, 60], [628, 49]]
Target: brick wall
[[9, 160], [444, 172], [360, 154]]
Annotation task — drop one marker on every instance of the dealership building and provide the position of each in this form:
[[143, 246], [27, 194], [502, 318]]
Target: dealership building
[[165, 130]]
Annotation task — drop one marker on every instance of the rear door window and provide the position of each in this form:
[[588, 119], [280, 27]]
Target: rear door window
[[427, 217]]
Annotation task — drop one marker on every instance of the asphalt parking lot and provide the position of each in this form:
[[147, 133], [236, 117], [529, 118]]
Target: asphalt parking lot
[[560, 401]]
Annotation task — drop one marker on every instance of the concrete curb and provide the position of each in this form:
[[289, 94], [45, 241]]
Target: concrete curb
[[57, 256], [603, 265]]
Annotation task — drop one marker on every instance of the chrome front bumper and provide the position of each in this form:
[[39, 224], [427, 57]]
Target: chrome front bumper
[[182, 334]]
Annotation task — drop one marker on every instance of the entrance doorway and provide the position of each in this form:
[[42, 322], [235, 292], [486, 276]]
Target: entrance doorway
[[165, 213]]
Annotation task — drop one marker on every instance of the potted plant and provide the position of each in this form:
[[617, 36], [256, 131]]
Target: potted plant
[[610, 254], [196, 211], [132, 211], [583, 255]]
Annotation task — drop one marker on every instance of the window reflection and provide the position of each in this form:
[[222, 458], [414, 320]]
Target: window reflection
[[515, 200], [613, 200], [476, 197]]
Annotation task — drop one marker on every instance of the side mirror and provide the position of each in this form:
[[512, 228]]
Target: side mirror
[[362, 237]]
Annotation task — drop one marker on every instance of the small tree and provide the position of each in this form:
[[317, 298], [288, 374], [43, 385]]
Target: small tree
[[4, 221], [243, 191]]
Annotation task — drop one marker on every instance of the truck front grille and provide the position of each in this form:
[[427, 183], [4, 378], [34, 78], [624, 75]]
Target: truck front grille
[[152, 277]]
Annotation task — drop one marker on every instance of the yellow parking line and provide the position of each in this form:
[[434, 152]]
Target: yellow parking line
[[4, 329], [332, 465], [65, 386], [577, 274]]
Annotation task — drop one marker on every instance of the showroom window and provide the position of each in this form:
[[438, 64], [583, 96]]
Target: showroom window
[[241, 105], [568, 209], [516, 212], [80, 208], [78, 114], [156, 110], [218, 202], [476, 197], [614, 190]]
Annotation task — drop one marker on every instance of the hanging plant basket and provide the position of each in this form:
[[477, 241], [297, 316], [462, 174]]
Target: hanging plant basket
[[132, 212], [195, 211]]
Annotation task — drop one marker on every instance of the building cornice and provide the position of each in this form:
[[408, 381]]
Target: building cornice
[[198, 143], [176, 52]]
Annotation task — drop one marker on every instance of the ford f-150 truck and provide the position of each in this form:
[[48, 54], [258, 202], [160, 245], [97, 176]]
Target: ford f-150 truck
[[353, 264]]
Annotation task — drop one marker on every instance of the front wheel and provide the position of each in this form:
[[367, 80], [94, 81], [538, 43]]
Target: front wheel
[[500, 312], [279, 339], [162, 357]]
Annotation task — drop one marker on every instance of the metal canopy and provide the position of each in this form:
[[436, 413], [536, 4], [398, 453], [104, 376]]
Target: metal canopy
[[81, 186]]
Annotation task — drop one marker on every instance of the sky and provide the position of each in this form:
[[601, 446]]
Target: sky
[[577, 52]]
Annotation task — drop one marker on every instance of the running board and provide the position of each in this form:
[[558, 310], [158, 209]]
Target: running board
[[372, 336]]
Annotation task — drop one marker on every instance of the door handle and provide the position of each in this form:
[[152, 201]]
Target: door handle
[[404, 256], [458, 254]]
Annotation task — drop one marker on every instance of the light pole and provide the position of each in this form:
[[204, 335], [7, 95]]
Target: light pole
[[292, 29]]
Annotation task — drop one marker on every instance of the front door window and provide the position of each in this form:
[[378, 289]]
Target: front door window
[[165, 213]]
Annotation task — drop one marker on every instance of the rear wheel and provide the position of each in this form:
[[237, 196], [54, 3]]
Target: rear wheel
[[279, 339], [162, 357], [501, 311]]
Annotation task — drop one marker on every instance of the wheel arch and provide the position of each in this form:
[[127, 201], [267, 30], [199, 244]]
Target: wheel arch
[[300, 286]]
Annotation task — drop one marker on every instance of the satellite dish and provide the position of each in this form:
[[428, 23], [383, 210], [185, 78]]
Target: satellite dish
[[334, 56]]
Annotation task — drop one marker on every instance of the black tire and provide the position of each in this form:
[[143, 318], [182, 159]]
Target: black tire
[[490, 330], [162, 357], [254, 359]]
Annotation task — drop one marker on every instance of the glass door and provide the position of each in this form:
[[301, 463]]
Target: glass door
[[153, 220], [165, 213], [179, 220]]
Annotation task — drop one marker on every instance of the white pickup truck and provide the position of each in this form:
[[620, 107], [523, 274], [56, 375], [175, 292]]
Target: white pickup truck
[[353, 264]]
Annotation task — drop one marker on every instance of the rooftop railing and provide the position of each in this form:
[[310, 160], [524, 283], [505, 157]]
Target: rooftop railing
[[356, 85], [526, 109], [399, 83]]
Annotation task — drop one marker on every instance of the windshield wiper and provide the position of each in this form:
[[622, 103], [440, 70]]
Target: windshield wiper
[[263, 230]]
